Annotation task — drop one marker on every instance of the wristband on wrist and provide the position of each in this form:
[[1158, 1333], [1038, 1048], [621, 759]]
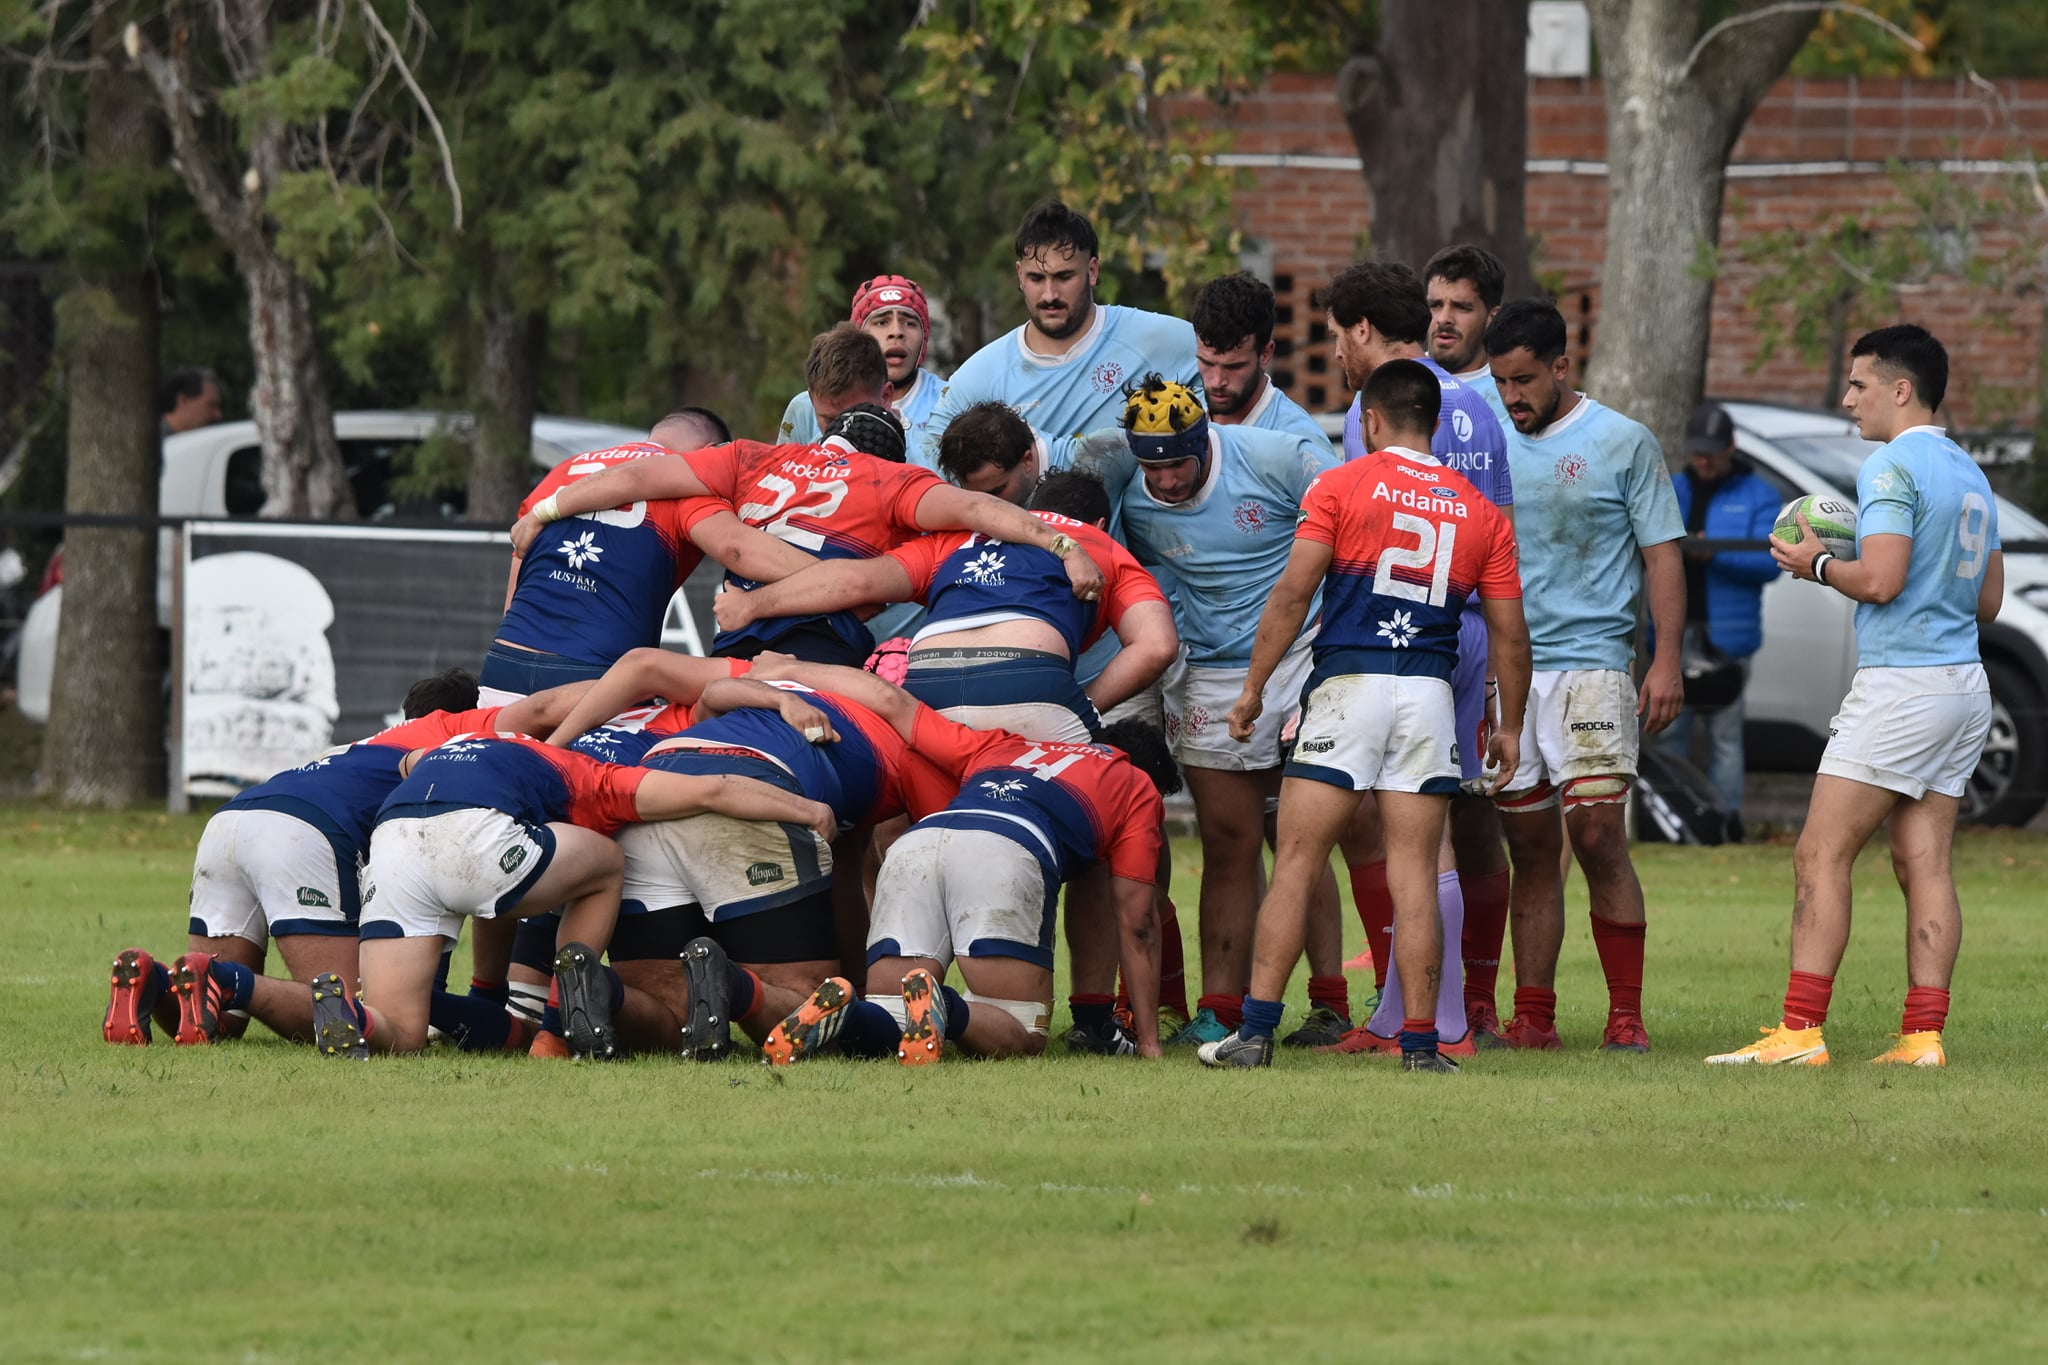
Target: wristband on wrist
[[547, 509], [1820, 565], [1063, 545]]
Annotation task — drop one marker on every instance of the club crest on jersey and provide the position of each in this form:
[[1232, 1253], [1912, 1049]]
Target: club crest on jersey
[[1461, 424], [1250, 518], [1006, 790], [1107, 376], [1401, 630], [584, 549], [984, 570], [1571, 468]]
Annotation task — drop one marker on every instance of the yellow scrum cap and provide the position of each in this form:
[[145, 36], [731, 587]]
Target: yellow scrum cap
[[1163, 422]]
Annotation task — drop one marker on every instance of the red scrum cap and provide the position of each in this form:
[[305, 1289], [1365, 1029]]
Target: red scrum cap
[[892, 291]]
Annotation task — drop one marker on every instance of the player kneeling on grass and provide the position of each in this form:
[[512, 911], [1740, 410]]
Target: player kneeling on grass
[[490, 825], [979, 882], [280, 862], [1927, 570], [1397, 542]]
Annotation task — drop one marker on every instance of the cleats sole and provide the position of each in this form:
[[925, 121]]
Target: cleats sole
[[585, 1004], [815, 1023], [336, 1029], [707, 1036], [199, 1002], [924, 1038], [131, 998]]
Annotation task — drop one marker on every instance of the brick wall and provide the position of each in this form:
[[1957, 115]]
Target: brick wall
[[1786, 172]]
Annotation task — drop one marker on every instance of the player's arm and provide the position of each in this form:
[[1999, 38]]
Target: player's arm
[[1991, 596], [1876, 575], [1150, 643], [827, 585], [1508, 664], [895, 706], [747, 552], [946, 508], [539, 714], [736, 694], [511, 582], [1663, 691], [638, 675], [1279, 627], [1138, 955], [672, 796], [643, 480]]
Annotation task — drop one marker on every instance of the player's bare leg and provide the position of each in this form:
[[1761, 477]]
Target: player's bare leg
[[1230, 806], [1923, 833], [286, 1007], [1482, 863], [1535, 921], [1414, 826], [1598, 832], [1329, 1015]]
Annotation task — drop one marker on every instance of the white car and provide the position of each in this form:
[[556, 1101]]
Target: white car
[[216, 472]]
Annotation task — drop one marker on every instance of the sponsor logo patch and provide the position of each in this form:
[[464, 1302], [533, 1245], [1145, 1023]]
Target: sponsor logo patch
[[584, 549], [511, 858], [1580, 727], [760, 874], [1315, 746], [312, 896]]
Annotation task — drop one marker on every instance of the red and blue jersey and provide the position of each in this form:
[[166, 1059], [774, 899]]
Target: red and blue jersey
[[594, 586], [522, 777], [859, 776], [1411, 541], [969, 580], [829, 499], [339, 792], [627, 741], [1070, 804]]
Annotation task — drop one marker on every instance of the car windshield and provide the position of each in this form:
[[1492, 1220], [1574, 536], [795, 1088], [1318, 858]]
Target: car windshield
[[1838, 459]]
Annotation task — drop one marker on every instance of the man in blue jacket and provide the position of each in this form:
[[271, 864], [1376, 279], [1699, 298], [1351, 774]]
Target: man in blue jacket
[[1721, 500]]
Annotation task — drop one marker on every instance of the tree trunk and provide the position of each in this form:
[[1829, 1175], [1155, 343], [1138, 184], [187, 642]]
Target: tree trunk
[[302, 470], [1439, 113], [105, 744], [1672, 120], [501, 469]]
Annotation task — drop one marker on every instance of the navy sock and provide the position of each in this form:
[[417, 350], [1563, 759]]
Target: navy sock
[[163, 978], [1261, 1017], [870, 1031], [1421, 1040], [739, 984], [500, 991], [1092, 1012], [240, 981], [551, 1019], [441, 972], [474, 1023], [617, 995], [956, 1013]]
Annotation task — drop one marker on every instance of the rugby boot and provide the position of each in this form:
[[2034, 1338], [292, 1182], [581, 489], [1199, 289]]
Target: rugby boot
[[586, 1004], [1113, 1040], [706, 1035], [1236, 1050], [813, 1025], [1779, 1046], [1625, 1033], [1484, 1022], [201, 999], [1364, 1040], [549, 1045], [1434, 1060], [1205, 1027], [1526, 1035], [337, 1020], [1914, 1049], [132, 995], [1323, 1027], [924, 1020]]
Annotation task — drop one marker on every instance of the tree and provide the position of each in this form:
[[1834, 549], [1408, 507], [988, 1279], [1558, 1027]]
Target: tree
[[1437, 104], [1678, 93]]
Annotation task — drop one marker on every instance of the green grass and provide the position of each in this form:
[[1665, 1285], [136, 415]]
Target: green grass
[[254, 1203]]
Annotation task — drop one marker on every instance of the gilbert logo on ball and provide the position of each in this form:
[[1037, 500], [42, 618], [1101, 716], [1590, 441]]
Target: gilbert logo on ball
[[1833, 519]]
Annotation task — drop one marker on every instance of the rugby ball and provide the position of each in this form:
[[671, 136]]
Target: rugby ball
[[1833, 519]]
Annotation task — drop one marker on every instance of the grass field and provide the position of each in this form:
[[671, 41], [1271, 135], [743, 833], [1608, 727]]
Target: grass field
[[253, 1202]]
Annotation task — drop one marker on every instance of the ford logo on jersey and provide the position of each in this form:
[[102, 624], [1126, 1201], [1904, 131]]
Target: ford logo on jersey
[[1445, 492]]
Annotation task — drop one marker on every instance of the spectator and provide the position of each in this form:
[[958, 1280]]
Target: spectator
[[1721, 500], [190, 398]]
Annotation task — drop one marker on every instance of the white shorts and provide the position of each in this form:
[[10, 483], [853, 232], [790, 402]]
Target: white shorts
[[427, 872], [1379, 732], [1198, 702], [263, 872], [1911, 730], [1580, 723], [724, 867], [946, 893]]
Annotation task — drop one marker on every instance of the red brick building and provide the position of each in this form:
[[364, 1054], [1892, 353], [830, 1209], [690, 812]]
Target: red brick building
[[1813, 150]]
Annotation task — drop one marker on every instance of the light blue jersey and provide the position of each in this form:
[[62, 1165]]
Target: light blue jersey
[[1468, 437], [1066, 397], [1275, 411], [1224, 548], [800, 420], [1922, 484], [1480, 381], [1591, 491]]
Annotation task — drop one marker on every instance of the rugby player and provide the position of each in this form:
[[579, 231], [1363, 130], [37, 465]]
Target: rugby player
[[1596, 519], [1215, 505], [280, 861], [1394, 544], [1378, 312], [1465, 284], [832, 500], [1928, 570], [891, 309], [1064, 370], [1233, 318]]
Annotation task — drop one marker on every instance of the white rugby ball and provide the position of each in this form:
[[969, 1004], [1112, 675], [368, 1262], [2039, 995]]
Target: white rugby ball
[[1833, 519]]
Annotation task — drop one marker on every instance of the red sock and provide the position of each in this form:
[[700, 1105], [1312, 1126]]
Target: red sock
[[1328, 992], [520, 1036], [1228, 1009], [1376, 912], [1926, 1010], [1536, 1005], [1173, 967], [1486, 929], [1418, 1026], [1621, 957], [760, 1001], [1806, 1000]]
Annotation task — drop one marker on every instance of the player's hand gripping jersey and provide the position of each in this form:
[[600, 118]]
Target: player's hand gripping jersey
[[830, 500], [594, 586], [970, 581], [522, 777], [1411, 542]]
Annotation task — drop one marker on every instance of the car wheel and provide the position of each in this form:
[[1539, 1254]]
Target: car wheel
[[2007, 787]]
